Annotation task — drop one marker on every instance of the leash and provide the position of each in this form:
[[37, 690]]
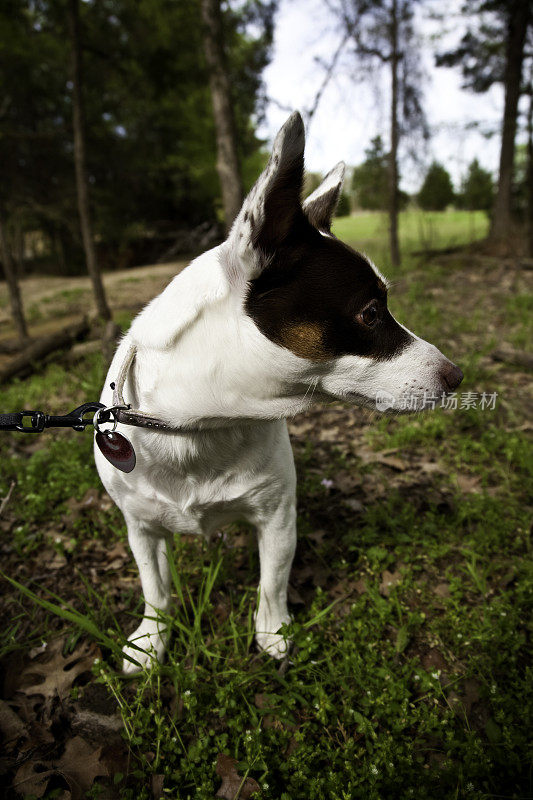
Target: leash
[[114, 446], [38, 420]]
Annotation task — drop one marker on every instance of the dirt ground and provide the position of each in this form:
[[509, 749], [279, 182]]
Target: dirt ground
[[47, 298]]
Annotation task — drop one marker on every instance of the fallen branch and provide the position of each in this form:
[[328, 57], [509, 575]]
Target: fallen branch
[[9, 346], [27, 360], [80, 350], [519, 358]]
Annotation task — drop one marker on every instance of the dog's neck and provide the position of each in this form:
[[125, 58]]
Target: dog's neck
[[201, 362]]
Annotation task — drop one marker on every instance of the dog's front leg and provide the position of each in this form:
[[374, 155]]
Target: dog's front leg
[[277, 543], [148, 546]]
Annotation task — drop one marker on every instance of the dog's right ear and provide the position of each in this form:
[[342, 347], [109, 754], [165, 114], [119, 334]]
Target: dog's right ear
[[320, 206], [272, 207]]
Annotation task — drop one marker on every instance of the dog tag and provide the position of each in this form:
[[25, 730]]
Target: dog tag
[[117, 449]]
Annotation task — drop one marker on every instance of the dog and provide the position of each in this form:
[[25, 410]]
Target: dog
[[279, 316]]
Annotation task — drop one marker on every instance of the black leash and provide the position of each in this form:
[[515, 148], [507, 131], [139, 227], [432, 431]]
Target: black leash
[[114, 446], [37, 421]]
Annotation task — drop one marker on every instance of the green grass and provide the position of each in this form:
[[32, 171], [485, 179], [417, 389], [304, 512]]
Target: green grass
[[418, 230], [414, 694]]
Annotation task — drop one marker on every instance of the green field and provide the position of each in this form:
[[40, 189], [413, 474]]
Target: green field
[[418, 230], [412, 588]]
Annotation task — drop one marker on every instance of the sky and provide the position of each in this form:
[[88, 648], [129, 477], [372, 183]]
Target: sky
[[351, 112]]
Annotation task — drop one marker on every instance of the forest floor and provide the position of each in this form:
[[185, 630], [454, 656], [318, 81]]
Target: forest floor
[[411, 592]]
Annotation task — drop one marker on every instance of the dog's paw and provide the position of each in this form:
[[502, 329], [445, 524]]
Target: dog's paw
[[274, 644], [152, 650]]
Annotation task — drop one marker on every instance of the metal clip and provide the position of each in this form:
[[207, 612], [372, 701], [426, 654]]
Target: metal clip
[[111, 415], [37, 418]]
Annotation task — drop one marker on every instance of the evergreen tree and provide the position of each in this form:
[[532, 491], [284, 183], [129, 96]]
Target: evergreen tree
[[149, 130], [370, 179], [437, 190], [477, 189], [343, 206]]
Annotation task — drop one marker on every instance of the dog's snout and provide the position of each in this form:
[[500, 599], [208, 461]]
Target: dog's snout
[[450, 376]]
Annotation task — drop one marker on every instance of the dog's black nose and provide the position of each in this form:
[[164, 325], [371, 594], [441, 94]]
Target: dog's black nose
[[450, 376]]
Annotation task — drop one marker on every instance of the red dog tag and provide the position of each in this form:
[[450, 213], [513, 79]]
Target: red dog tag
[[117, 449]]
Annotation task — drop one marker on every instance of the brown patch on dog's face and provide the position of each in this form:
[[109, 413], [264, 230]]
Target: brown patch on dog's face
[[305, 339], [313, 299]]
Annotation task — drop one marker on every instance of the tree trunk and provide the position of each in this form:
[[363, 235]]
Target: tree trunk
[[79, 160], [518, 17], [529, 177], [17, 310], [394, 135], [227, 158]]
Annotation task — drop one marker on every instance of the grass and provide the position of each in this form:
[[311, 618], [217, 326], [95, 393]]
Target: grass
[[418, 230], [421, 690]]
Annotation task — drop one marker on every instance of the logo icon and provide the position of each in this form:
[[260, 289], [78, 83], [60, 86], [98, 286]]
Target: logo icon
[[384, 400]]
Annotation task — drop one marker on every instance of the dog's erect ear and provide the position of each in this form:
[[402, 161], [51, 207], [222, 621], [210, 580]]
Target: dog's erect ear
[[321, 204], [270, 210]]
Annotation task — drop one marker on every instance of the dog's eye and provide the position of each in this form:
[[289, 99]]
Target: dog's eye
[[369, 315]]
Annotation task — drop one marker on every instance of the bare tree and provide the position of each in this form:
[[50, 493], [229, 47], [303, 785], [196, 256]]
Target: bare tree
[[227, 153], [529, 173], [394, 137], [382, 35], [80, 162], [15, 299]]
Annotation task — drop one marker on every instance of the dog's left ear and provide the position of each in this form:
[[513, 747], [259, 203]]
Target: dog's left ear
[[321, 204], [269, 212]]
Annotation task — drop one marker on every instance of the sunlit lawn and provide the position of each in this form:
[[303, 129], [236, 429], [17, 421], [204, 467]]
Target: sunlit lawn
[[419, 230]]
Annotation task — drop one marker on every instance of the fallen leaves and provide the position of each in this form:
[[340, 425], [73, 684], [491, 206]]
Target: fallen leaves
[[51, 740], [79, 765], [233, 787], [58, 671]]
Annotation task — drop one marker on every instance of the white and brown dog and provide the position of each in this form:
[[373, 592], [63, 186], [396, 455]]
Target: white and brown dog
[[279, 315]]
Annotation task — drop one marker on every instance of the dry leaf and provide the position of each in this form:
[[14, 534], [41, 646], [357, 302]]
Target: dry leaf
[[471, 694], [354, 504], [388, 581], [32, 779], [433, 661], [233, 787], [347, 588], [59, 671], [117, 557], [294, 597], [393, 462], [11, 726], [468, 483], [369, 456], [431, 467], [80, 765], [442, 590], [317, 536]]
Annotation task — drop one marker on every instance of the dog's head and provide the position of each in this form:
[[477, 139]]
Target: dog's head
[[315, 297]]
